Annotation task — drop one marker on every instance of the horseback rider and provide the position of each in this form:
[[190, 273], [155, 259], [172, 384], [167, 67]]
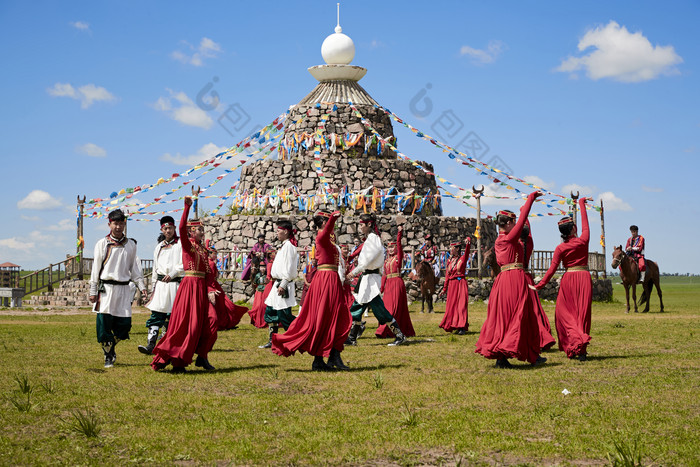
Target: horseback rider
[[429, 254], [635, 250]]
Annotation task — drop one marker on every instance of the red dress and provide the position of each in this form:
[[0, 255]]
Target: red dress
[[189, 331], [511, 329], [456, 316], [546, 338], [394, 297], [324, 322], [257, 313], [308, 277], [572, 314], [227, 313]]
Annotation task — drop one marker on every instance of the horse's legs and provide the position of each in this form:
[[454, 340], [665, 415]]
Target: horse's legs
[[430, 302], [634, 297], [627, 297], [658, 289], [422, 302]]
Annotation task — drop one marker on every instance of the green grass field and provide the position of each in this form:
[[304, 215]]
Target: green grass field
[[434, 402]]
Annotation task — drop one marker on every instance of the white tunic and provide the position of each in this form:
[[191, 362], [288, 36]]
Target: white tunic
[[341, 265], [122, 265], [371, 257], [167, 261], [284, 271]]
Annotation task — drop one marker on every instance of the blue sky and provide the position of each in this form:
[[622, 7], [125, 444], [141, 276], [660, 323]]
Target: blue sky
[[600, 97]]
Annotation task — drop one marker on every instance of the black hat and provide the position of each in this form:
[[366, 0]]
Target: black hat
[[165, 220]]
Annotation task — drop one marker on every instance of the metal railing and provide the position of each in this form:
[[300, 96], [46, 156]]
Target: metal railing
[[230, 263], [67, 269]]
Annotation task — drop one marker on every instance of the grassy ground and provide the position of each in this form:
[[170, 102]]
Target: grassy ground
[[432, 402]]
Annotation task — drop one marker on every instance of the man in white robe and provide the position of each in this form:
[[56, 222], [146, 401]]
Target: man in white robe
[[168, 271], [368, 290], [284, 270], [115, 265]]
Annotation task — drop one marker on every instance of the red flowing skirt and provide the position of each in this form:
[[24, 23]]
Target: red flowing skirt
[[511, 329], [323, 324], [396, 303], [257, 313], [572, 315], [456, 309], [546, 338], [228, 314], [348, 296], [189, 326]]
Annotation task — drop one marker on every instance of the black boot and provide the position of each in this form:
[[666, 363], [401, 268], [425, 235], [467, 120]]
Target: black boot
[[540, 360], [203, 363], [319, 365], [110, 356], [336, 362], [272, 330], [400, 338], [354, 333], [361, 329], [503, 363], [152, 339]]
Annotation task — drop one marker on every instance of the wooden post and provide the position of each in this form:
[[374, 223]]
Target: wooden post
[[574, 207], [195, 203], [602, 239], [80, 245], [477, 195]]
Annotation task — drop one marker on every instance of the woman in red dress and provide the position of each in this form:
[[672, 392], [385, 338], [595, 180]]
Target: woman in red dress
[[257, 312], [511, 329], [456, 309], [572, 314], [189, 331], [546, 339], [394, 292], [348, 284], [227, 313], [324, 323]]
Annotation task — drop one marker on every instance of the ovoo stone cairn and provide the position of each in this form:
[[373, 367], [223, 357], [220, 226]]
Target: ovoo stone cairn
[[343, 165]]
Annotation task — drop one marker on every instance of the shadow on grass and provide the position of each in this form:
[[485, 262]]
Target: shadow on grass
[[609, 357], [385, 342], [353, 369], [220, 370]]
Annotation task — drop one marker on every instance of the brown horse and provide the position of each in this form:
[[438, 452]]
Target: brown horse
[[489, 260], [426, 277], [629, 273]]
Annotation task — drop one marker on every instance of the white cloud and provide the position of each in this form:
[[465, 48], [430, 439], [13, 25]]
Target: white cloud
[[62, 226], [207, 151], [650, 189], [16, 244], [30, 218], [91, 149], [690, 149], [376, 44], [87, 94], [613, 203], [186, 113], [38, 200], [537, 181], [483, 56], [207, 49], [622, 56], [80, 25], [566, 190]]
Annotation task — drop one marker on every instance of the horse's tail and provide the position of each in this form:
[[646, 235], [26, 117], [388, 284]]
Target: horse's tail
[[646, 292]]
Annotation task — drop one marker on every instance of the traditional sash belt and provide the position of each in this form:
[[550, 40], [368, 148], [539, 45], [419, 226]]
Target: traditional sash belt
[[327, 267], [577, 268], [111, 282], [457, 278], [364, 273], [509, 266], [172, 279], [392, 275], [199, 274]]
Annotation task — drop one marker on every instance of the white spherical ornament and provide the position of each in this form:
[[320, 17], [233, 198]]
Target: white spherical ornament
[[338, 49]]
